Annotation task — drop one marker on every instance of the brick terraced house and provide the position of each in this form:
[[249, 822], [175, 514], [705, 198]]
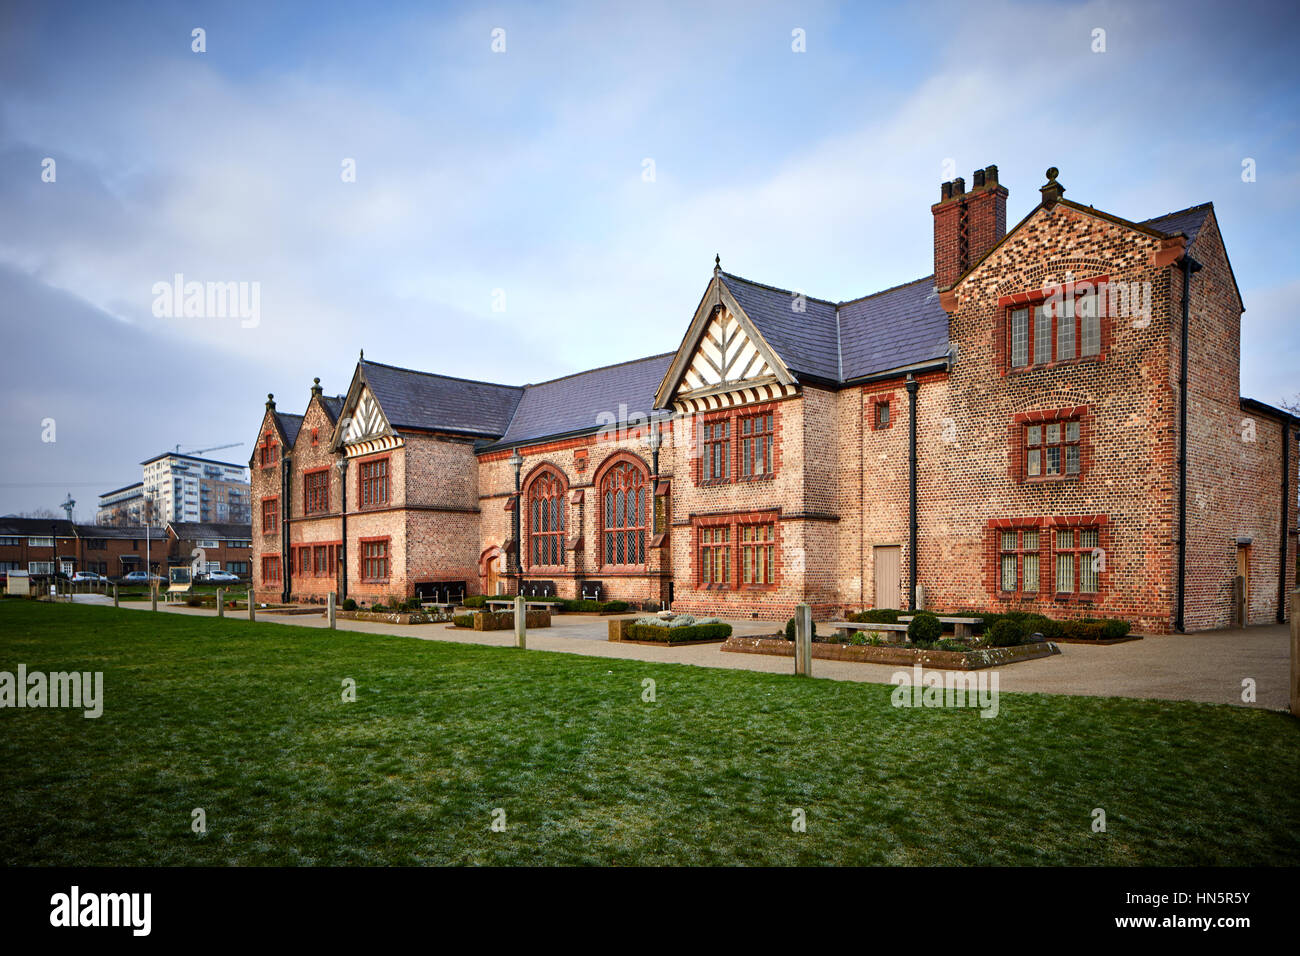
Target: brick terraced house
[[1051, 421]]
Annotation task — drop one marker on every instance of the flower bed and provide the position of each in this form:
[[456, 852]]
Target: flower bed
[[897, 654], [669, 629]]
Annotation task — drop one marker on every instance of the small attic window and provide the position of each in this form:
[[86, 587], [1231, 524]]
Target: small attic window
[[315, 436]]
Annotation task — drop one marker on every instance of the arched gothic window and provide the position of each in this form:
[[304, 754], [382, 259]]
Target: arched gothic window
[[547, 509], [625, 507]]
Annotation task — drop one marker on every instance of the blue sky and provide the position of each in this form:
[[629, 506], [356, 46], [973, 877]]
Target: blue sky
[[522, 172]]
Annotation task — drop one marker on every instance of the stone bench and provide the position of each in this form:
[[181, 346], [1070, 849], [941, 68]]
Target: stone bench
[[961, 626], [528, 605], [843, 627]]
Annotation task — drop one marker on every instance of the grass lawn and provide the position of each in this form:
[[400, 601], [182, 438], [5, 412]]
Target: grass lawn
[[247, 722]]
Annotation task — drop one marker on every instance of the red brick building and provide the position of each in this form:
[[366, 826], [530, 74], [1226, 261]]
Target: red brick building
[[1022, 428]]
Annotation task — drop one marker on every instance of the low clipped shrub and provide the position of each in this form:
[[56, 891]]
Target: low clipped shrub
[[709, 629], [614, 607], [463, 620], [789, 630], [476, 601], [876, 615], [1005, 633], [348, 604], [950, 644], [1113, 629], [924, 629]]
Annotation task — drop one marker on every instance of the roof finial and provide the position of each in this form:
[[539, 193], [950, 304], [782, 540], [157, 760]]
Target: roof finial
[[1053, 190], [315, 386], [270, 400], [717, 265], [363, 355]]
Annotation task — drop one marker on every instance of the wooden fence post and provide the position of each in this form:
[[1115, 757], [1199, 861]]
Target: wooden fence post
[[330, 604], [252, 606], [115, 601], [521, 622], [221, 605], [153, 595], [803, 640]]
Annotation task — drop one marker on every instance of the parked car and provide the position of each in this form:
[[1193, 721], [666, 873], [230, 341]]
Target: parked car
[[221, 577], [88, 576], [139, 577]]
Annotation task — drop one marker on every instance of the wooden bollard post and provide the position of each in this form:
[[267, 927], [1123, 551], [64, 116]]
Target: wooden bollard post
[[153, 595], [330, 610], [221, 605], [803, 640], [521, 623], [252, 606], [115, 601]]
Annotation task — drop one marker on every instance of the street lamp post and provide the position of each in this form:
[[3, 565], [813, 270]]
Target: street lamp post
[[515, 556], [343, 527]]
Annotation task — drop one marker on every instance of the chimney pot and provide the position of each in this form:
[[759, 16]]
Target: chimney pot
[[945, 192], [959, 186], [979, 179], [991, 175]]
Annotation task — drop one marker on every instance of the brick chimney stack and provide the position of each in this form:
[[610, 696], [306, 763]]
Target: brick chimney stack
[[967, 224]]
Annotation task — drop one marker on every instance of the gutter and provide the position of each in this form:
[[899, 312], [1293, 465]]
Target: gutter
[[1190, 265], [1286, 514], [913, 386], [286, 558]]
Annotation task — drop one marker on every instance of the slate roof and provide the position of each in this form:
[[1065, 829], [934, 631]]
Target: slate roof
[[844, 341], [290, 425], [414, 399], [15, 527], [333, 405], [575, 403], [1187, 221], [807, 340], [190, 530], [126, 532]]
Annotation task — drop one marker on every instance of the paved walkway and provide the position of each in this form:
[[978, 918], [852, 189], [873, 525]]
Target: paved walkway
[[1208, 667]]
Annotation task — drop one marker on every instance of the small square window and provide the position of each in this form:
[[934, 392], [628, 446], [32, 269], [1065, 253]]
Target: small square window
[[882, 414]]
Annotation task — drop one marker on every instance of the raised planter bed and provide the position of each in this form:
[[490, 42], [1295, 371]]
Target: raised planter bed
[[505, 620], [884, 654], [390, 617]]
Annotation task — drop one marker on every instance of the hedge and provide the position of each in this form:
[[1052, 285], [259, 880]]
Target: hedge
[[877, 615], [1085, 629], [692, 632]]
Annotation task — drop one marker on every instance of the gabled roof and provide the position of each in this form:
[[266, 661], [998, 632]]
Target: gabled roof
[[411, 399], [575, 403], [840, 342], [807, 341], [190, 530]]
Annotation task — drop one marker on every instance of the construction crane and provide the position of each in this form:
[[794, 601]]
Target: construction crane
[[200, 451]]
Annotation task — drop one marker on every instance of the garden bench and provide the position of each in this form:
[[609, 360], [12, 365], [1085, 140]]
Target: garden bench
[[843, 627], [961, 626]]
